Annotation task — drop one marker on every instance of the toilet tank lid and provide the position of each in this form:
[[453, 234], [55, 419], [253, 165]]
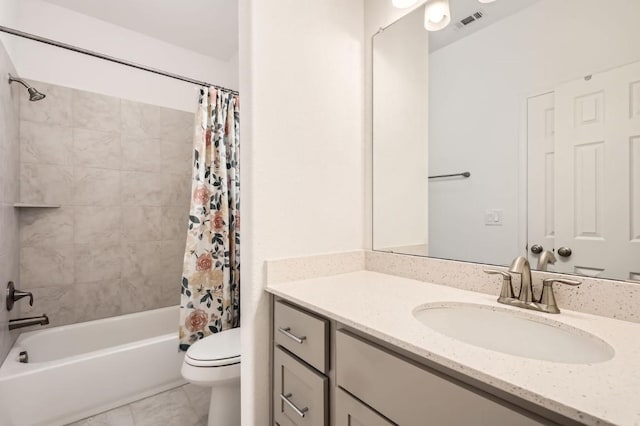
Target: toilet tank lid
[[218, 346]]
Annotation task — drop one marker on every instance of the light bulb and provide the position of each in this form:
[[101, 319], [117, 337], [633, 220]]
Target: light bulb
[[403, 4], [437, 15]]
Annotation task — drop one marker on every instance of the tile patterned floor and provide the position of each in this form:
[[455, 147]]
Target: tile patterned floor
[[184, 406]]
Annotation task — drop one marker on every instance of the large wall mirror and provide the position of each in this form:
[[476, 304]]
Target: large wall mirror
[[514, 130]]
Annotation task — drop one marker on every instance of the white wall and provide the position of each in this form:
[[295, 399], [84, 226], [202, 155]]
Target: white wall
[[54, 65], [478, 91], [400, 201], [303, 165]]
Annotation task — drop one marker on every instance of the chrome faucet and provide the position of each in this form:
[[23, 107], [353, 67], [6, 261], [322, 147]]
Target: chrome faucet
[[28, 322], [546, 258], [547, 302]]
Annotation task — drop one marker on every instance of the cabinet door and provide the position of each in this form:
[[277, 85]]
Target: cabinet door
[[300, 393], [410, 394], [351, 412]]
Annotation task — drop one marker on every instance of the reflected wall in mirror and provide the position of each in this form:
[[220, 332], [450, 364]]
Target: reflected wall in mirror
[[539, 101]]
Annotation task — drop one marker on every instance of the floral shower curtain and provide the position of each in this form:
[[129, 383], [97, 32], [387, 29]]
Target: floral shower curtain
[[210, 300]]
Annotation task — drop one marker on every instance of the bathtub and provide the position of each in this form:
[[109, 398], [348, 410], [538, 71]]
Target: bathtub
[[79, 370]]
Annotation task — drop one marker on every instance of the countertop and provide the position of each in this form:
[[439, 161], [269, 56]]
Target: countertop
[[382, 306]]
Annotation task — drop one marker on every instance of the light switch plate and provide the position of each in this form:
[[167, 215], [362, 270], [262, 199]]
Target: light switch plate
[[493, 217]]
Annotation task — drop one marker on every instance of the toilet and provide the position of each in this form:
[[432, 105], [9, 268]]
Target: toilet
[[215, 362]]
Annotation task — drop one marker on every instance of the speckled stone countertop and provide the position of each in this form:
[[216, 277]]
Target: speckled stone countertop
[[381, 306]]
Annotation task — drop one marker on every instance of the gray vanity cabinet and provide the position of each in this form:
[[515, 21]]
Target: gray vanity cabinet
[[324, 374], [410, 394], [300, 367], [351, 412]]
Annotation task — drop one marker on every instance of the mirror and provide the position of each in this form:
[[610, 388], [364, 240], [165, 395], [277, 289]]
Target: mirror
[[514, 130]]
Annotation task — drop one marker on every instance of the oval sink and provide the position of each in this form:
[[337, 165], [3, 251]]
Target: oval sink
[[514, 333]]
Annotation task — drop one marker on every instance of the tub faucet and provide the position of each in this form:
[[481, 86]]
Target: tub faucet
[[28, 322], [546, 258]]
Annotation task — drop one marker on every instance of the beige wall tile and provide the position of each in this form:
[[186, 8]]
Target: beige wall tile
[[153, 121], [177, 156], [120, 236], [46, 266], [176, 189], [141, 154], [176, 125], [175, 222], [46, 227], [54, 109], [45, 184], [96, 187], [172, 257], [76, 303], [45, 143], [97, 224], [57, 302], [95, 111], [142, 223], [141, 258], [142, 189], [139, 119], [9, 226], [141, 292], [95, 148], [9, 192], [97, 261]]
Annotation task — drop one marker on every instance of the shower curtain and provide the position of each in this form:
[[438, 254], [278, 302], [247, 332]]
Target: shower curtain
[[210, 300]]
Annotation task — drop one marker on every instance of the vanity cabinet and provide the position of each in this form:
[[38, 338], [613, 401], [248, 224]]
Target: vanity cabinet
[[409, 394], [351, 412], [326, 374], [300, 363]]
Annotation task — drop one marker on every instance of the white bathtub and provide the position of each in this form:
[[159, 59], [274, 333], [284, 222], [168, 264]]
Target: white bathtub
[[75, 371]]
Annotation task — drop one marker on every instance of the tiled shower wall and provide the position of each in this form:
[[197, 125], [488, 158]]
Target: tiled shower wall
[[120, 171], [9, 184]]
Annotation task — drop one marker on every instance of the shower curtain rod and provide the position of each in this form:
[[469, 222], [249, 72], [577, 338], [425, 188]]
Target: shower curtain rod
[[110, 58]]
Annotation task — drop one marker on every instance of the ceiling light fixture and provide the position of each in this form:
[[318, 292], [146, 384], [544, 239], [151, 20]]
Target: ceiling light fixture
[[486, 1], [403, 4], [437, 15]]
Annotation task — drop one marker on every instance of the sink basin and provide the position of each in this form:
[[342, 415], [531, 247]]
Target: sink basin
[[514, 333]]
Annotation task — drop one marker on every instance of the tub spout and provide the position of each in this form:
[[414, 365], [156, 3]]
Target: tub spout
[[27, 322]]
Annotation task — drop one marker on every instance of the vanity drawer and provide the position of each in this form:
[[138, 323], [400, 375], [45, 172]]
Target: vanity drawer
[[303, 334], [409, 394], [351, 412], [300, 394]]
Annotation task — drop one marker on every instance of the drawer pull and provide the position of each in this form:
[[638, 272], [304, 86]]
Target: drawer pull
[[298, 411], [287, 332]]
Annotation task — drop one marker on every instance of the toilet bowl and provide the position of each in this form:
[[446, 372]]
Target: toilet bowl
[[215, 362]]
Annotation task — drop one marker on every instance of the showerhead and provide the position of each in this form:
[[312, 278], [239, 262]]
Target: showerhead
[[34, 95]]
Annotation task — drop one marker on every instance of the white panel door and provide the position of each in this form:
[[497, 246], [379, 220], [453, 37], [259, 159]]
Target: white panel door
[[541, 170], [597, 173]]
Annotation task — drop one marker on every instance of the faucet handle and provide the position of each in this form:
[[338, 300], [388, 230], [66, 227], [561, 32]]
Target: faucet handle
[[548, 298], [14, 295], [507, 289], [548, 282]]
